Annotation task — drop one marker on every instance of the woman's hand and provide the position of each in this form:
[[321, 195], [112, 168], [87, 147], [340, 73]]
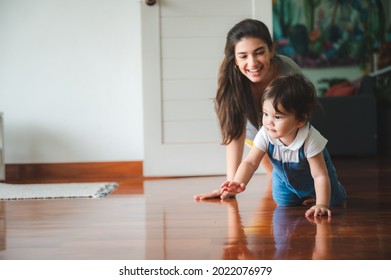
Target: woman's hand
[[318, 210], [223, 192], [213, 194]]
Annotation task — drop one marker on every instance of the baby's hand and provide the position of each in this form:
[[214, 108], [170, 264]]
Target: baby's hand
[[318, 210], [232, 188]]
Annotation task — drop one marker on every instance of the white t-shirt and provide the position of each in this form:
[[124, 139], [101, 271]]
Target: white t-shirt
[[313, 142]]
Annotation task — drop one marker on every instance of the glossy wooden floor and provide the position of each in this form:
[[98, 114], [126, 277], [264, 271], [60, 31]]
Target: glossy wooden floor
[[158, 219]]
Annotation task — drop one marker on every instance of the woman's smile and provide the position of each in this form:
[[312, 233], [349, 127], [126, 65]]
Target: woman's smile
[[252, 57]]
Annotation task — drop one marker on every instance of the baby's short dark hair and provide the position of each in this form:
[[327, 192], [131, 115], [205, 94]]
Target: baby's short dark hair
[[295, 93]]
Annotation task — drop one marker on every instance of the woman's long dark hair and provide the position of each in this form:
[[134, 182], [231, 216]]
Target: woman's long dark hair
[[234, 102]]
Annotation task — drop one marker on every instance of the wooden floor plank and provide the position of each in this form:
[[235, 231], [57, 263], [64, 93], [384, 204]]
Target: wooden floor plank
[[158, 219]]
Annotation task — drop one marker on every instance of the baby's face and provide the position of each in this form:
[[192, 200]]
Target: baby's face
[[280, 124]]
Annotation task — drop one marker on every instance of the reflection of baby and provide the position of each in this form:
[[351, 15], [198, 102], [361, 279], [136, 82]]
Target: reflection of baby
[[283, 235], [276, 233], [288, 233], [322, 249]]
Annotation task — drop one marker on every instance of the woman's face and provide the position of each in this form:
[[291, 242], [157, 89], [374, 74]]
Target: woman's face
[[252, 57]]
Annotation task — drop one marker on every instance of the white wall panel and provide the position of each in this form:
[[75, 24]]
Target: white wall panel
[[189, 110], [189, 89], [191, 132], [206, 47], [205, 8], [189, 68], [200, 27]]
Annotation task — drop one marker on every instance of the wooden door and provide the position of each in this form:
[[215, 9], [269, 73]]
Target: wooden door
[[182, 46]]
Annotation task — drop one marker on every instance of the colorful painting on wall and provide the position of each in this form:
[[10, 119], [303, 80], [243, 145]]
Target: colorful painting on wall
[[324, 33]]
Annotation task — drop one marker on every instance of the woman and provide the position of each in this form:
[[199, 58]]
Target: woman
[[249, 65]]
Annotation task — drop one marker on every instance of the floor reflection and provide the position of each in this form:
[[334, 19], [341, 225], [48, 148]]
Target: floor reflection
[[162, 221], [277, 233], [248, 227]]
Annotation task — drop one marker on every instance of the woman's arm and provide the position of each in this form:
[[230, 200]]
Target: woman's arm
[[234, 154], [322, 186]]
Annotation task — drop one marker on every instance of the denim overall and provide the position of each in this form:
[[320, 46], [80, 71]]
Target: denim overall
[[293, 183]]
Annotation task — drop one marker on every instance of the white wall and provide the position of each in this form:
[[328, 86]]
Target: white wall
[[70, 80]]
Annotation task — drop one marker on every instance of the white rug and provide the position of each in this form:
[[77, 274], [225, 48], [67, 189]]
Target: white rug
[[56, 191]]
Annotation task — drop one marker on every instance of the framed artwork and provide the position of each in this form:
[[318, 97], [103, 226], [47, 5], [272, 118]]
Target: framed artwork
[[325, 33]]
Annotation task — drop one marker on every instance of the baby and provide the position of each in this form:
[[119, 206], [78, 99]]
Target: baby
[[302, 169]]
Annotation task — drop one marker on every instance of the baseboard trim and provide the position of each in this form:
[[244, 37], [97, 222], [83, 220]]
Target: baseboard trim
[[76, 171]]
